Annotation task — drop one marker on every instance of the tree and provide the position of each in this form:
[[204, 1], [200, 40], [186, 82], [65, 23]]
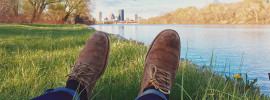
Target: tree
[[33, 10], [67, 8], [3, 8], [38, 7], [57, 11], [9, 7], [75, 6]]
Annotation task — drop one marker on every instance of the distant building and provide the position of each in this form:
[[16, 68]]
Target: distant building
[[111, 17], [116, 19], [136, 17], [119, 18], [121, 15], [99, 16], [127, 19], [106, 19]]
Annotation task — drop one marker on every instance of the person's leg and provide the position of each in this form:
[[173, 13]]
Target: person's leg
[[161, 65], [58, 94], [89, 67], [151, 94]]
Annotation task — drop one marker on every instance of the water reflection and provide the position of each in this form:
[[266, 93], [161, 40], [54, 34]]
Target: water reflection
[[227, 42]]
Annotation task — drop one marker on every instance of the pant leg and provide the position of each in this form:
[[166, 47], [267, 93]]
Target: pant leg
[[151, 94], [58, 94]]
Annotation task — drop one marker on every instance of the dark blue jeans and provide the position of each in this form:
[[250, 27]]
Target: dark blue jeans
[[68, 94]]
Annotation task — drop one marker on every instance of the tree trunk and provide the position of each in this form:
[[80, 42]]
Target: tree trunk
[[34, 16], [256, 16], [15, 7], [41, 8], [66, 17]]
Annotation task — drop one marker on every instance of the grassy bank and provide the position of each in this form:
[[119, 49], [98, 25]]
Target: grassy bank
[[37, 57]]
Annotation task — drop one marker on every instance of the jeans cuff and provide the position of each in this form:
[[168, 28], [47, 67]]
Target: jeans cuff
[[152, 91], [69, 91]]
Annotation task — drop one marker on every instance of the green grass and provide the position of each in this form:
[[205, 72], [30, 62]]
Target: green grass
[[36, 57]]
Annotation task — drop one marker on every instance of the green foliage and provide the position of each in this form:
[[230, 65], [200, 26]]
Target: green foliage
[[27, 8], [57, 11], [36, 57], [75, 7], [38, 7]]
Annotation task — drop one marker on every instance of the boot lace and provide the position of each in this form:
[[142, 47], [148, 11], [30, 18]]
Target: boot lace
[[160, 79], [81, 73]]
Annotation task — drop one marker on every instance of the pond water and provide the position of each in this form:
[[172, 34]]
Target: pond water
[[230, 45]]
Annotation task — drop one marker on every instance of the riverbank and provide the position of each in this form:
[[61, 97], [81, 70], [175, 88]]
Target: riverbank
[[37, 57], [244, 12]]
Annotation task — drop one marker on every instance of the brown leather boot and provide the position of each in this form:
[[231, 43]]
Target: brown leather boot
[[92, 61], [162, 62]]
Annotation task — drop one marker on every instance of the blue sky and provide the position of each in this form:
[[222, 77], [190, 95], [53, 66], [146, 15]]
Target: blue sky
[[147, 8]]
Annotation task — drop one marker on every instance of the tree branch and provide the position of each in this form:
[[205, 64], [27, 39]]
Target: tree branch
[[31, 2]]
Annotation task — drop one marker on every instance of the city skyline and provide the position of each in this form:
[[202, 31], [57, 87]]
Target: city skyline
[[116, 17], [142, 8]]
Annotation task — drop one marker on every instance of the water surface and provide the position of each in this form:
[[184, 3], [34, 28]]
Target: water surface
[[230, 44]]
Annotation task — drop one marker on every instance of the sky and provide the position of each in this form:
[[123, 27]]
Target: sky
[[147, 8]]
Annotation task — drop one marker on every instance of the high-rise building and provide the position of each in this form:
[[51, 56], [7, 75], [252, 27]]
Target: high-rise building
[[119, 18], [111, 17], [121, 15], [99, 16], [136, 17]]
